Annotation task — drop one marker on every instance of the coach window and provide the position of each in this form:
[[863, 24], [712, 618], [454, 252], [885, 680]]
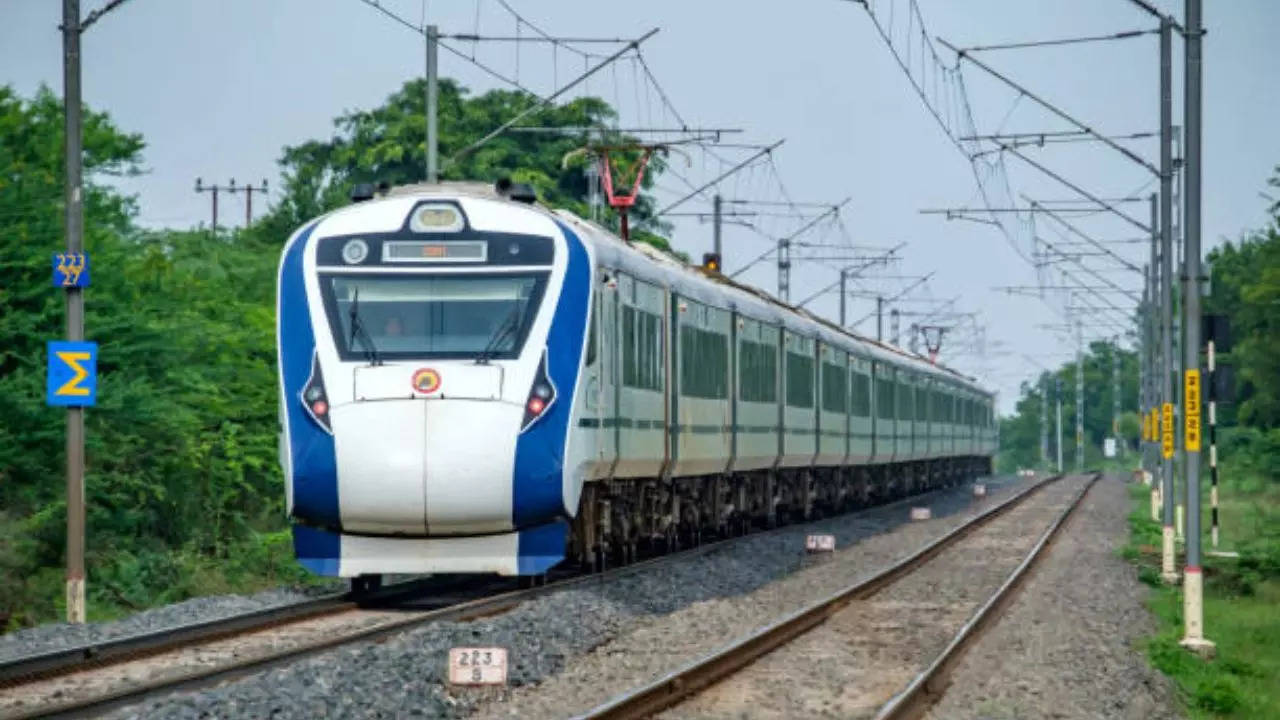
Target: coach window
[[593, 334]]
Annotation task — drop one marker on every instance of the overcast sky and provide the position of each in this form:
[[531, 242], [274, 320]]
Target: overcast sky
[[219, 88]]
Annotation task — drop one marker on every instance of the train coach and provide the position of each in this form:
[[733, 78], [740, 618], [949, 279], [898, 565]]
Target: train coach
[[473, 383]]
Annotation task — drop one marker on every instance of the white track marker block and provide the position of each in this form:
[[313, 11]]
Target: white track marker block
[[1167, 572], [1193, 637], [820, 543], [478, 666], [979, 490], [921, 513]]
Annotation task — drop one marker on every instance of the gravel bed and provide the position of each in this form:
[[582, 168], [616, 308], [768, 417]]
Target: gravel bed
[[403, 676], [1066, 646], [656, 644], [870, 650], [61, 635]]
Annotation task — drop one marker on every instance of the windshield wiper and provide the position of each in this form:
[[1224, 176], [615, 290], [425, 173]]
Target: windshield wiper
[[508, 326], [358, 331]]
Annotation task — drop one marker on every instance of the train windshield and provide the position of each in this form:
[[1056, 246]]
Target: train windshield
[[447, 316]]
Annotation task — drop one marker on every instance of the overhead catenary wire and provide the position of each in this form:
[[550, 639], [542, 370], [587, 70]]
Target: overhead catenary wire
[[542, 103], [1125, 35], [422, 30]]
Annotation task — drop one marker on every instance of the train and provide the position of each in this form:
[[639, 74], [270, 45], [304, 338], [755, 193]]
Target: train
[[471, 382]]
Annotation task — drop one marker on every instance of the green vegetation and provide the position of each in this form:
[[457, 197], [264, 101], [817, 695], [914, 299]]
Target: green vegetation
[[1020, 432], [1241, 602], [184, 489]]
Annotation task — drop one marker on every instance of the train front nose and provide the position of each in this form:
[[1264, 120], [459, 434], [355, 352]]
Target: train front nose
[[426, 467]]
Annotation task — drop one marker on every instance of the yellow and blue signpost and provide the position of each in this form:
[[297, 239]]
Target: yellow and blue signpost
[[72, 376], [71, 270]]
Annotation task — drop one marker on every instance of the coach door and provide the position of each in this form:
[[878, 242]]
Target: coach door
[[600, 370]]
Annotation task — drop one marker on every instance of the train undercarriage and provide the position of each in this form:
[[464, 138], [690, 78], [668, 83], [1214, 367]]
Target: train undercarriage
[[621, 520]]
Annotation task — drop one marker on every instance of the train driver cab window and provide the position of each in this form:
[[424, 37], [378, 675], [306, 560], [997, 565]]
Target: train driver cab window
[[442, 316]]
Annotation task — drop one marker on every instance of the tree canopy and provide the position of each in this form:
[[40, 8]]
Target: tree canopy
[[388, 144]]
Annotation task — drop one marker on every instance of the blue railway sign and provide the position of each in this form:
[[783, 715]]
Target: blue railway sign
[[72, 377], [71, 270]]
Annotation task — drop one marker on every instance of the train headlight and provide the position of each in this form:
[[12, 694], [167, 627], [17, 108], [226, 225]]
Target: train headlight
[[541, 396], [436, 217], [314, 399], [355, 251]]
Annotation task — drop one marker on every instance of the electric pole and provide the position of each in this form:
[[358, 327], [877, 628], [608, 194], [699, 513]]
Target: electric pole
[[784, 268], [895, 321], [433, 71], [717, 219], [1044, 421], [1168, 573], [249, 190], [1193, 607], [880, 317], [214, 190], [844, 275], [1058, 397], [71, 30], [1079, 398], [1115, 395]]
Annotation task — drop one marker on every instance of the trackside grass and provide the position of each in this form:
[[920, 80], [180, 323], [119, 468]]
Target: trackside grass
[[1242, 605]]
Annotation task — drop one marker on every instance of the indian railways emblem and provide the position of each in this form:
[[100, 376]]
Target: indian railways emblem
[[426, 381]]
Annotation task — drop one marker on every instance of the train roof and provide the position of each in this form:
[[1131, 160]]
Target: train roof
[[652, 265]]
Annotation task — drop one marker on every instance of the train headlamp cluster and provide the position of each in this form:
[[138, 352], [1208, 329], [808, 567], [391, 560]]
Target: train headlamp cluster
[[355, 251], [436, 217], [314, 398], [541, 395]]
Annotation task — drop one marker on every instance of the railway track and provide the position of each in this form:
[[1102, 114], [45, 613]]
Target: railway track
[[880, 647], [92, 679]]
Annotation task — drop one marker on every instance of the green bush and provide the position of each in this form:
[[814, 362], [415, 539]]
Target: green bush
[[1217, 694]]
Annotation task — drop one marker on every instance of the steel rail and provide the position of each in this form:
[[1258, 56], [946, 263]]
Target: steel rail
[[40, 666], [926, 687], [92, 656], [700, 674]]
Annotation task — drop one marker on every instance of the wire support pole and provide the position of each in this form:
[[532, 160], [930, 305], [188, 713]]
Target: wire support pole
[[1058, 398], [1079, 398], [1044, 420], [1131, 155], [1167, 401], [1115, 395], [548, 100], [75, 470], [432, 36], [1193, 601]]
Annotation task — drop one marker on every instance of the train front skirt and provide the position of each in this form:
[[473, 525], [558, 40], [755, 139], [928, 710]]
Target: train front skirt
[[531, 551]]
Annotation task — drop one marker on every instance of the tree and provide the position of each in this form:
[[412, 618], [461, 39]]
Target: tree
[[387, 144]]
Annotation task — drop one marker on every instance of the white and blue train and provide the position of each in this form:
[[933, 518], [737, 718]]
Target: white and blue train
[[472, 383]]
